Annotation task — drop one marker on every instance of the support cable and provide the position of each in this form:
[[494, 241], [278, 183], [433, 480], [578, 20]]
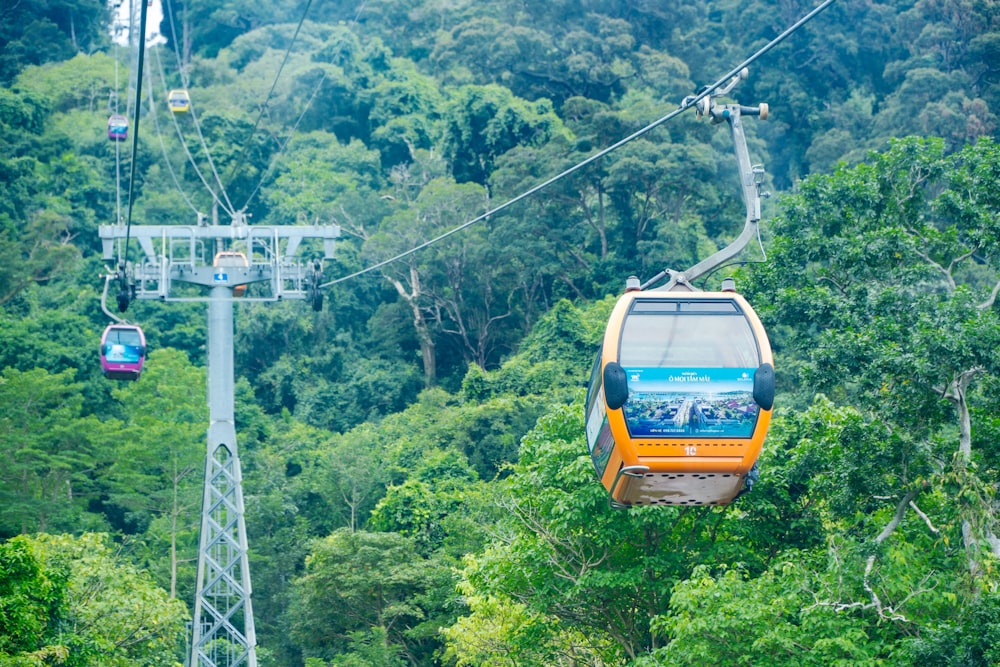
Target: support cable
[[185, 82], [185, 79], [163, 148], [315, 94], [685, 105], [314, 289], [180, 138], [135, 140], [283, 146], [267, 99], [130, 40], [229, 208], [118, 154]]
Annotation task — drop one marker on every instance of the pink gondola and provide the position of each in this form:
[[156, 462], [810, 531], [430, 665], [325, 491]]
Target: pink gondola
[[123, 351], [118, 128]]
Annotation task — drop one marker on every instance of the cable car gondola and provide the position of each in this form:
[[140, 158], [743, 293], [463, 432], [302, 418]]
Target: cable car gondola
[[680, 398], [232, 259], [123, 351], [680, 395], [118, 127], [179, 101]]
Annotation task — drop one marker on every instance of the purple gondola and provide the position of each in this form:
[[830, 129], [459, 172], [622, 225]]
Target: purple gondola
[[118, 128], [123, 350]]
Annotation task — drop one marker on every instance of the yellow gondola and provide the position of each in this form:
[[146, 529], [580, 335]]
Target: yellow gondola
[[179, 101], [680, 398]]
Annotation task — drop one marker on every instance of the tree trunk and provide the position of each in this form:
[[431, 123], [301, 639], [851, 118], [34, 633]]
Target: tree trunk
[[173, 542], [428, 349], [957, 395]]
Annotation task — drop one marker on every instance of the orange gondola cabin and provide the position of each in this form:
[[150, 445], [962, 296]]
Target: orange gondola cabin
[[680, 398]]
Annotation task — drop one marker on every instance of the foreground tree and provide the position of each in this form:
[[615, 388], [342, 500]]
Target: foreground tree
[[430, 282], [49, 451], [75, 602], [573, 564], [895, 266], [156, 478], [880, 291]]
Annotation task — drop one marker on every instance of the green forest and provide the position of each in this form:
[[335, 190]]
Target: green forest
[[415, 467]]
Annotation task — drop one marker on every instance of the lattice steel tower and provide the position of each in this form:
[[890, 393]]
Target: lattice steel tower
[[223, 258]]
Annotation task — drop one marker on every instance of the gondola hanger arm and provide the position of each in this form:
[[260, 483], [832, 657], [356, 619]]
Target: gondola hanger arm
[[751, 178], [108, 277]]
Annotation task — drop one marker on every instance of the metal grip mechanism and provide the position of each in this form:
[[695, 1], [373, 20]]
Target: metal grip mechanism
[[751, 179]]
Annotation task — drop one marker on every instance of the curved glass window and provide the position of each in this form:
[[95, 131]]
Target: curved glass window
[[124, 337], [690, 368], [673, 334], [599, 437], [123, 345]]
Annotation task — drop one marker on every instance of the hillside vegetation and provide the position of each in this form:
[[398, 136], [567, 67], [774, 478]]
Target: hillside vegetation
[[418, 489]]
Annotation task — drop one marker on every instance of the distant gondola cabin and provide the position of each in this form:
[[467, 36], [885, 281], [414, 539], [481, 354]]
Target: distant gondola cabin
[[232, 259], [118, 128], [179, 101], [680, 398], [123, 351]]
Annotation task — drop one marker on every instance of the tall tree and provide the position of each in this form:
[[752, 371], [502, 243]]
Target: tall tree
[[156, 477], [432, 281], [53, 31], [482, 123], [50, 451], [563, 552], [893, 270], [357, 581]]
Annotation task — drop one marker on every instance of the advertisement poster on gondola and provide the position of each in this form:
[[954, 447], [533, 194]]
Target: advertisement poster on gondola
[[694, 402]]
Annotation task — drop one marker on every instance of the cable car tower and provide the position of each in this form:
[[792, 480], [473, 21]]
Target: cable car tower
[[202, 254]]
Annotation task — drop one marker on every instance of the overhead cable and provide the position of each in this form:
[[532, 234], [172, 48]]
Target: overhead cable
[[180, 138], [685, 105], [185, 82], [267, 98], [135, 128], [282, 146], [163, 149]]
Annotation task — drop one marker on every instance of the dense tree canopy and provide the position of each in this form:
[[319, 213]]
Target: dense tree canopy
[[73, 601], [417, 486]]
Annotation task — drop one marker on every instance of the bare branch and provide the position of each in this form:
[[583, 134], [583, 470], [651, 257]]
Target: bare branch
[[898, 517], [993, 297], [956, 394], [926, 519], [350, 226], [944, 272], [961, 258], [841, 288], [994, 543], [884, 612], [887, 613]]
